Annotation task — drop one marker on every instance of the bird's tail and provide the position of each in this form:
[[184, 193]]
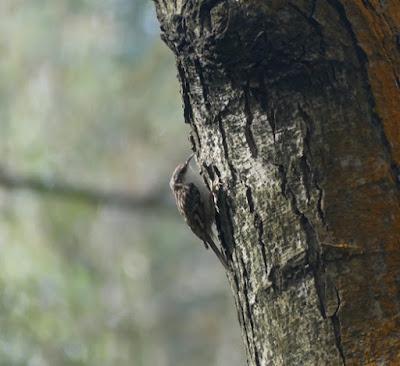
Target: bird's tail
[[222, 258]]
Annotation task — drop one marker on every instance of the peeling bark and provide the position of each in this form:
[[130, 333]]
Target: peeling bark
[[295, 115]]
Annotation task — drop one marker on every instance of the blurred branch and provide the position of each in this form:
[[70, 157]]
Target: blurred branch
[[158, 200]]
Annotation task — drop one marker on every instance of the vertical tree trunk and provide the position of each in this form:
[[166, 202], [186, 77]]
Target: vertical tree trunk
[[295, 113]]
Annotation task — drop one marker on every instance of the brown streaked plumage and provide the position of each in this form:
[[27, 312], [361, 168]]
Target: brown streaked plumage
[[197, 212]]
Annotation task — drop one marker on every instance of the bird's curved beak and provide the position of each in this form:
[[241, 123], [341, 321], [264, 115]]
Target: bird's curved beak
[[189, 158]]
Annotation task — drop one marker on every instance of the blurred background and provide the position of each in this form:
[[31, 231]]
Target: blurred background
[[96, 267]]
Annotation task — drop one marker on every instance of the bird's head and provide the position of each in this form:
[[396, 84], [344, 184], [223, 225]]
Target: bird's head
[[178, 176]]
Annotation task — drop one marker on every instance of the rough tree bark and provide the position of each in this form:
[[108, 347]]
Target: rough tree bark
[[294, 109]]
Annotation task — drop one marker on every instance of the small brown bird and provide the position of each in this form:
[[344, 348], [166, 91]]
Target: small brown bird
[[197, 209]]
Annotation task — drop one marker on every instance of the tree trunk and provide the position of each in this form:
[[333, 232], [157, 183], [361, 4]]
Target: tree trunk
[[294, 109]]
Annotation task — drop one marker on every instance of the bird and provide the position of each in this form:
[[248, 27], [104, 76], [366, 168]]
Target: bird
[[196, 208]]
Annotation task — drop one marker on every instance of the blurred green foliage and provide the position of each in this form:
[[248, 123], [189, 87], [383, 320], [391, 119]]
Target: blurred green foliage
[[88, 94]]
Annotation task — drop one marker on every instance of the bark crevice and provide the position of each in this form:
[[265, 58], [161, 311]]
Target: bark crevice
[[249, 121], [336, 328]]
